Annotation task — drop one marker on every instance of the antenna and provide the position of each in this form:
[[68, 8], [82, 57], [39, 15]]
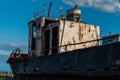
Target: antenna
[[60, 11], [36, 13], [110, 33], [49, 10], [44, 9]]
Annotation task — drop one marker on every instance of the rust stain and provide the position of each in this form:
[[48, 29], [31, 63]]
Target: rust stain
[[80, 33], [65, 48], [72, 24], [74, 42], [69, 43]]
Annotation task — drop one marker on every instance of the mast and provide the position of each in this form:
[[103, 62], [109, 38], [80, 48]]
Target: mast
[[49, 10], [44, 9]]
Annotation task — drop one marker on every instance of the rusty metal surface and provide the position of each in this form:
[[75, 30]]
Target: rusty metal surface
[[90, 59], [70, 32], [74, 32]]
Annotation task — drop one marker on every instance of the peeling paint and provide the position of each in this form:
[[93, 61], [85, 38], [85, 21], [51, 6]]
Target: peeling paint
[[79, 33]]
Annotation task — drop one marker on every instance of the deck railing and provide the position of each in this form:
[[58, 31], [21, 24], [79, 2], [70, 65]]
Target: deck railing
[[17, 52]]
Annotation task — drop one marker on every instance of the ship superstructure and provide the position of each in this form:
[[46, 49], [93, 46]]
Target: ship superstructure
[[52, 35]]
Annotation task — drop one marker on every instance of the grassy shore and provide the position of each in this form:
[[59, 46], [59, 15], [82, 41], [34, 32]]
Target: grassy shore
[[6, 78], [6, 75]]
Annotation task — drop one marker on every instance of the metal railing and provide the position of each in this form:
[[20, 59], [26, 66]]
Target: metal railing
[[58, 47], [97, 40]]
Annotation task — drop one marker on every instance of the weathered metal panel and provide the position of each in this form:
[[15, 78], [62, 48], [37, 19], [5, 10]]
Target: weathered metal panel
[[95, 61], [38, 39], [74, 32], [93, 58], [30, 38]]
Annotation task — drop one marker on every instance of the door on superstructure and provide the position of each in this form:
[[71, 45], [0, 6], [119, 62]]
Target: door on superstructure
[[47, 42], [33, 47], [55, 40]]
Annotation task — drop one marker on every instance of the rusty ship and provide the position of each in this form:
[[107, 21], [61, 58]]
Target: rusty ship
[[67, 49]]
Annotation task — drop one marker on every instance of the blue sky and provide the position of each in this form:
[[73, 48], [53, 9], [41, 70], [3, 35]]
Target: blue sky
[[15, 14]]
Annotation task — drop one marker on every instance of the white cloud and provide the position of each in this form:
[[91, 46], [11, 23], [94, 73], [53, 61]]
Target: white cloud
[[34, 0], [104, 5], [13, 46], [4, 37], [4, 52]]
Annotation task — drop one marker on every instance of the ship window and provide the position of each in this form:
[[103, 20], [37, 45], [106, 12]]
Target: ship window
[[34, 31], [117, 62], [33, 38]]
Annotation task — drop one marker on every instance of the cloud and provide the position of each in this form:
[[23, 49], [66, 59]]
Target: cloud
[[13, 46], [7, 37], [34, 0], [111, 6]]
